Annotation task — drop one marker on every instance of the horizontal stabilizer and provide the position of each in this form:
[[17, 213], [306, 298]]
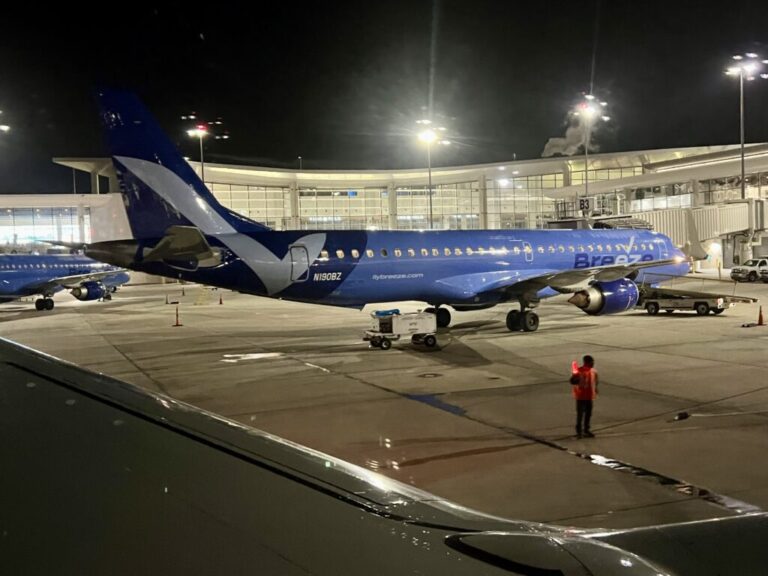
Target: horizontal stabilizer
[[180, 242]]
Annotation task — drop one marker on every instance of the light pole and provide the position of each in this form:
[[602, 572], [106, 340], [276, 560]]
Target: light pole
[[200, 131], [746, 66], [300, 163], [589, 110], [431, 136], [4, 127]]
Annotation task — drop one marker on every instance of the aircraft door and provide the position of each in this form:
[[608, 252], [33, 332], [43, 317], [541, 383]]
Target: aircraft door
[[299, 263], [524, 247], [663, 249], [528, 251]]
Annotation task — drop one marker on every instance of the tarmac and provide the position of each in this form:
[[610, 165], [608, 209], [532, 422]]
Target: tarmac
[[486, 419]]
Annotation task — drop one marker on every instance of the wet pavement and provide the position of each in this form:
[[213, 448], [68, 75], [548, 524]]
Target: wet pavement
[[486, 419]]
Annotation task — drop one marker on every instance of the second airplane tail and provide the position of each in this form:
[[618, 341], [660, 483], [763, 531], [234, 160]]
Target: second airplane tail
[[160, 189]]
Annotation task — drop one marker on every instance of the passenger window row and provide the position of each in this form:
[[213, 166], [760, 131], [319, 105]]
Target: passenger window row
[[469, 251], [46, 266]]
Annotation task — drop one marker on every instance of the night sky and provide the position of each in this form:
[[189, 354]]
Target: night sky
[[341, 83]]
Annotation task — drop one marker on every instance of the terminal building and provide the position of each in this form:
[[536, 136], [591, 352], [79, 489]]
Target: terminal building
[[650, 187]]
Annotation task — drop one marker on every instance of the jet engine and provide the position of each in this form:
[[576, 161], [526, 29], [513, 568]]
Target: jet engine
[[607, 297], [89, 291]]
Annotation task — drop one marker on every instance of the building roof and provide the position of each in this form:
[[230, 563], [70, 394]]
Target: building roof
[[265, 176]]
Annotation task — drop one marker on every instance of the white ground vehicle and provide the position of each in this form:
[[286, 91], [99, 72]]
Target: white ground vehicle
[[751, 270], [389, 325]]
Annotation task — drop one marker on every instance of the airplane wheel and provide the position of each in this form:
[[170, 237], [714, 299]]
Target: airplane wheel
[[652, 308], [39, 304], [385, 344], [430, 341], [718, 310], [107, 296], [443, 317], [702, 308], [513, 321], [48, 303], [529, 321]]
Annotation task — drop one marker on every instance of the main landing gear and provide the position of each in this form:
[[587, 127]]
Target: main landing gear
[[443, 316], [44, 304], [525, 320]]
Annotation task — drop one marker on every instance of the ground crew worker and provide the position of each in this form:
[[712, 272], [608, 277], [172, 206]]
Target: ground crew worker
[[584, 381]]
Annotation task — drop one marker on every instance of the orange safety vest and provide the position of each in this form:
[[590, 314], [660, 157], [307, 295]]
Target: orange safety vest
[[586, 389]]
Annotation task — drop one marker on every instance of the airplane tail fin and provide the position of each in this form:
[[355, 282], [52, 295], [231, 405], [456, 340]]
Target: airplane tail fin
[[159, 187], [692, 247]]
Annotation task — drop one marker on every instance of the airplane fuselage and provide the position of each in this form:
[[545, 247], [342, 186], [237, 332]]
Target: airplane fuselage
[[23, 274], [353, 268]]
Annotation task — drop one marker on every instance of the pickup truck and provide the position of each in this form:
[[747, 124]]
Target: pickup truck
[[751, 270]]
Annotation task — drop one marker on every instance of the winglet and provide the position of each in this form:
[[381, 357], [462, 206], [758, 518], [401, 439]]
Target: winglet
[[692, 247]]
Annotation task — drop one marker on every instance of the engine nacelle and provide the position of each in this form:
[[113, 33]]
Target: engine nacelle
[[89, 291], [607, 297]]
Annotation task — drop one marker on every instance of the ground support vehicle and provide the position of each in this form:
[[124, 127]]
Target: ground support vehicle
[[654, 300], [750, 271], [390, 325]]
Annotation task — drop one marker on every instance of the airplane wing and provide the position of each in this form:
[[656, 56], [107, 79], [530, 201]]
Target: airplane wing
[[73, 281], [165, 487], [576, 278], [529, 282]]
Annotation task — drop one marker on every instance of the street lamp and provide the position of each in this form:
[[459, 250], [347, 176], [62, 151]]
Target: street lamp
[[4, 127], [431, 136], [589, 111], [745, 66], [200, 131]]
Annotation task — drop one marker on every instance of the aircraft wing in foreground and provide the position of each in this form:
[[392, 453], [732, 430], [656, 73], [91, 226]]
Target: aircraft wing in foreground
[[108, 478]]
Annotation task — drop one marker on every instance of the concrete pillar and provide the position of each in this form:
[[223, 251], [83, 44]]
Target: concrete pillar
[[483, 208], [295, 216], [94, 183], [696, 195], [566, 175], [81, 224], [392, 205]]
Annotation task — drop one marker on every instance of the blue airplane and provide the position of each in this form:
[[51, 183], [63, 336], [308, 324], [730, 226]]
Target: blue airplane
[[181, 231], [32, 274]]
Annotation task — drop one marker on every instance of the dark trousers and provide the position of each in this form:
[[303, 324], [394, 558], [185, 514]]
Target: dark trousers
[[583, 415]]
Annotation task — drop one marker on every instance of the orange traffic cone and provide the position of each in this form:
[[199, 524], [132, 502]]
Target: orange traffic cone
[[760, 317], [177, 318]]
